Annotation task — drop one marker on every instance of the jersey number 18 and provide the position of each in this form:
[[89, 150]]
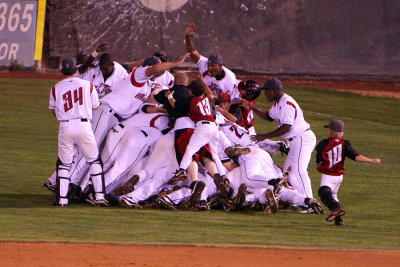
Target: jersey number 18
[[204, 107]]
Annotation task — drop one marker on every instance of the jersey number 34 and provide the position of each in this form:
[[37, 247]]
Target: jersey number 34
[[69, 102]]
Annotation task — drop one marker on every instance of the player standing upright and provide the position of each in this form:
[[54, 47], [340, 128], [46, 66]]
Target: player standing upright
[[292, 127], [216, 76], [72, 101], [331, 154]]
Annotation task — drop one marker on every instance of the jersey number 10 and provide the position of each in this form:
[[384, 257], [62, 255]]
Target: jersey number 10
[[334, 155], [67, 97]]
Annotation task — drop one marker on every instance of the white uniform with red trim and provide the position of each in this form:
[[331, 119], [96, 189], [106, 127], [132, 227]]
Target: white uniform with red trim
[[128, 142], [73, 100], [166, 79], [302, 142], [228, 84], [121, 103], [95, 76]]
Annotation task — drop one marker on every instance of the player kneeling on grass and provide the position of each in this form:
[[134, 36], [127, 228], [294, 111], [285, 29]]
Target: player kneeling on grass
[[331, 154]]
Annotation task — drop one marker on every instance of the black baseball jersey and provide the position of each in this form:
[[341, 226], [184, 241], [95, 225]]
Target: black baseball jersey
[[331, 154]]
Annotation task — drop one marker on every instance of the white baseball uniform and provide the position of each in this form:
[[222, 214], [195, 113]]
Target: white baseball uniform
[[302, 142], [95, 76], [121, 103], [73, 100], [165, 79], [228, 84]]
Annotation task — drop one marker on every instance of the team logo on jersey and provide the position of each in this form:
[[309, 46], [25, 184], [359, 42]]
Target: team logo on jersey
[[215, 89], [141, 97]]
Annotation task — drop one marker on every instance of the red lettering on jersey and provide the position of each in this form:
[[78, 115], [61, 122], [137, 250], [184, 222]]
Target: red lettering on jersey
[[134, 82], [91, 88], [205, 73], [295, 110], [53, 92], [171, 83]]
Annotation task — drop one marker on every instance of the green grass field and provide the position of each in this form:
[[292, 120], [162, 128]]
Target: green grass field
[[369, 193]]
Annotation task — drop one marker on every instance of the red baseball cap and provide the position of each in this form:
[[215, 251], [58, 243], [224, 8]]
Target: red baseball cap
[[223, 97]]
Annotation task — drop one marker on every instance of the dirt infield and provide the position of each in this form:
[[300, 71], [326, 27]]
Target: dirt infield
[[68, 254], [371, 88]]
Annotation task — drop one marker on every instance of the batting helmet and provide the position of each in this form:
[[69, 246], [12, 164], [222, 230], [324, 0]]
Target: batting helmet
[[249, 90]]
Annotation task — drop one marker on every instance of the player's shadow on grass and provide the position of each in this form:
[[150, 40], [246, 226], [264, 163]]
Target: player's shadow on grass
[[26, 200]]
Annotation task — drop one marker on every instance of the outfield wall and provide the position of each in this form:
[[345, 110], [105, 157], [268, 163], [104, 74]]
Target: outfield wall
[[291, 36]]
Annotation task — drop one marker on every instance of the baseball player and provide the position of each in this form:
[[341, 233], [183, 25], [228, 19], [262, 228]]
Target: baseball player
[[206, 131], [249, 90], [72, 101], [159, 159], [293, 127], [166, 78], [217, 77], [121, 104], [331, 153], [106, 75], [85, 61]]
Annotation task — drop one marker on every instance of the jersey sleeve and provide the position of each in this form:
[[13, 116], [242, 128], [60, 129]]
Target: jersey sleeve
[[202, 64], [320, 148], [349, 151], [52, 101], [138, 76], [94, 97], [160, 122]]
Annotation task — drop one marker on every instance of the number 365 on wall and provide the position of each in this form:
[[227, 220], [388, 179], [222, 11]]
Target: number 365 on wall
[[18, 20]]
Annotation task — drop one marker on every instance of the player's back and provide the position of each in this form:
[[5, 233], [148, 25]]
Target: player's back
[[73, 98], [331, 154], [200, 109]]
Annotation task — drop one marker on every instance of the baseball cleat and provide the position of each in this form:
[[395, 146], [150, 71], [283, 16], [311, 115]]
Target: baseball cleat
[[308, 211], [128, 203], [166, 203], [49, 186], [127, 187], [339, 221], [102, 203], [314, 204], [195, 197], [90, 199], [273, 204], [180, 175], [240, 198], [233, 151], [336, 213]]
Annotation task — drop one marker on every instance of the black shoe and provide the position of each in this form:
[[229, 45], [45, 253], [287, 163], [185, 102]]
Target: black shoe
[[272, 203], [336, 213], [198, 187], [339, 221], [74, 192]]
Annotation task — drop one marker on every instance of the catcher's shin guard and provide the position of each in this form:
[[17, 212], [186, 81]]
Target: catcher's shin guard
[[97, 178], [62, 182]]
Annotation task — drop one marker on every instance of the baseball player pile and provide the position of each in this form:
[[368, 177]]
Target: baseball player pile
[[140, 137]]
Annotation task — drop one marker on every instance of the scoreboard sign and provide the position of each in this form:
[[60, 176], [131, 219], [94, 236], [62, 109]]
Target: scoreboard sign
[[17, 32]]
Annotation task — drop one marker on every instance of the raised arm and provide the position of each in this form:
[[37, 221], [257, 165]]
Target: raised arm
[[207, 90], [161, 67], [101, 48], [261, 113], [191, 49]]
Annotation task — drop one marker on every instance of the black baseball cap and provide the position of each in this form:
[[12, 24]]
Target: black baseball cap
[[272, 83], [150, 61], [335, 125], [215, 59], [161, 55], [80, 55], [68, 66]]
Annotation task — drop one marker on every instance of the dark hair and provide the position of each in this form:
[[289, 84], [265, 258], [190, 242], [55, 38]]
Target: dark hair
[[197, 88], [106, 59]]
